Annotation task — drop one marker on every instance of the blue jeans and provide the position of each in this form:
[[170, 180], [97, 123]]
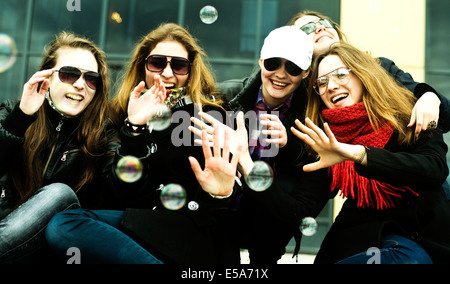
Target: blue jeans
[[97, 237], [22, 232], [394, 250]]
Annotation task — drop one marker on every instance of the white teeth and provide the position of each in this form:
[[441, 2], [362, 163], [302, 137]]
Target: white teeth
[[279, 84], [74, 97], [338, 97], [169, 86]]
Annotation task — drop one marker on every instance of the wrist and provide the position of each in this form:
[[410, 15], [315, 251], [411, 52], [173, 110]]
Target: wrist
[[221, 196], [135, 128]]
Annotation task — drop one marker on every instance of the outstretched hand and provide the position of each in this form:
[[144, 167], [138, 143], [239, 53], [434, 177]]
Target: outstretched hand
[[218, 177], [323, 142]]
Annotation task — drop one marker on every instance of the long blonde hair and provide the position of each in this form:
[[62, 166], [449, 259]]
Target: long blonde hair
[[385, 100], [201, 81]]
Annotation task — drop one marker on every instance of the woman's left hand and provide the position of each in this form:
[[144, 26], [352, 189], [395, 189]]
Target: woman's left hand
[[425, 110]]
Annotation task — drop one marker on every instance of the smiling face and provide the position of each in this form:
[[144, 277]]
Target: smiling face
[[170, 79], [337, 95], [322, 37], [278, 85], [72, 99]]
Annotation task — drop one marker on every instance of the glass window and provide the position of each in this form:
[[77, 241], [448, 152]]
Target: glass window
[[128, 21], [53, 16]]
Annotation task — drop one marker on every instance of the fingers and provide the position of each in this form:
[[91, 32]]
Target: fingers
[[205, 145], [195, 166], [138, 90]]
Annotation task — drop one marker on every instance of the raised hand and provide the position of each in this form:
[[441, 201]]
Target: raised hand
[[275, 129], [218, 177], [324, 143], [32, 98], [141, 108]]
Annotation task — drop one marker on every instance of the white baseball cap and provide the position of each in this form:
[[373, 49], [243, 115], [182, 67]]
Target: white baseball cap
[[290, 43]]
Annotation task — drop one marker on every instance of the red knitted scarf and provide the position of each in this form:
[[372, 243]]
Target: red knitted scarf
[[351, 125]]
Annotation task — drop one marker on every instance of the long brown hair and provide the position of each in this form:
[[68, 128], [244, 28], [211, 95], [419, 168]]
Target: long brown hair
[[27, 175], [385, 100], [201, 81]]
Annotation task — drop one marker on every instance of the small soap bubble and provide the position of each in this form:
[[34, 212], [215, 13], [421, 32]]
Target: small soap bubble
[[308, 226], [173, 196], [162, 118], [260, 177], [129, 169], [8, 52], [209, 14]]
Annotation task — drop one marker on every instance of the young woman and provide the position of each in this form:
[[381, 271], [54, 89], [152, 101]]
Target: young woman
[[170, 65], [431, 107], [391, 177], [54, 143]]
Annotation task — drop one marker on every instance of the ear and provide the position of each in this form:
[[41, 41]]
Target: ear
[[261, 63], [306, 73]]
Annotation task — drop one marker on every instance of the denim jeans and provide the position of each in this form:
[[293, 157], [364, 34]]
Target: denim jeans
[[22, 232], [96, 236], [394, 250]]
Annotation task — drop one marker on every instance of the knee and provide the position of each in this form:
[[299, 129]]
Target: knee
[[61, 225], [62, 194]]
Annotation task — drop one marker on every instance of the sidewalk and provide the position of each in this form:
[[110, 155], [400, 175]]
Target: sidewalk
[[286, 259]]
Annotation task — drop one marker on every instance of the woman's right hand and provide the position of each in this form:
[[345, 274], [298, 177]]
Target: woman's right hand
[[32, 98], [142, 108]]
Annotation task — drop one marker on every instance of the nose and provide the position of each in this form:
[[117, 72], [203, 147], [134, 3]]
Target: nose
[[332, 85], [167, 72], [319, 27], [80, 83]]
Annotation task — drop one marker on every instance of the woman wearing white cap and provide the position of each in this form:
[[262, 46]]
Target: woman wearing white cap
[[276, 97]]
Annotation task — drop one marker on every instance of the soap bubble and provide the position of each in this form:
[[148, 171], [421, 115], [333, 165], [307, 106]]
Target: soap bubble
[[173, 196], [8, 52], [129, 169], [308, 226], [260, 177], [162, 118], [209, 14]]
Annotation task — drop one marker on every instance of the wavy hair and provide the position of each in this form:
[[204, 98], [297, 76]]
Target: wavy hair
[[201, 83], [385, 100], [27, 178]]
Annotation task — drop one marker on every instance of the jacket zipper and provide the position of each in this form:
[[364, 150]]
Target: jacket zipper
[[58, 129], [64, 156], [3, 192]]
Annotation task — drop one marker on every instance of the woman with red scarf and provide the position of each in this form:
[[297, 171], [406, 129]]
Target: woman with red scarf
[[396, 210]]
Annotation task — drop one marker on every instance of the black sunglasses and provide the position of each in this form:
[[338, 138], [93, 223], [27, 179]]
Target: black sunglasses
[[272, 64], [69, 74], [157, 63], [312, 26]]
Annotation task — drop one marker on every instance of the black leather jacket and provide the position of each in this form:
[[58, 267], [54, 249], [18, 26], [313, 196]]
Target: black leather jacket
[[61, 159]]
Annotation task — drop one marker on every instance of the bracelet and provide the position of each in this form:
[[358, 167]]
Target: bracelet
[[361, 156], [134, 128], [221, 196]]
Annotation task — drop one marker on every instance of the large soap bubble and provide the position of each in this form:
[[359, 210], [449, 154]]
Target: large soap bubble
[[8, 52], [173, 196], [308, 226], [208, 14], [260, 177], [129, 169], [162, 119]]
